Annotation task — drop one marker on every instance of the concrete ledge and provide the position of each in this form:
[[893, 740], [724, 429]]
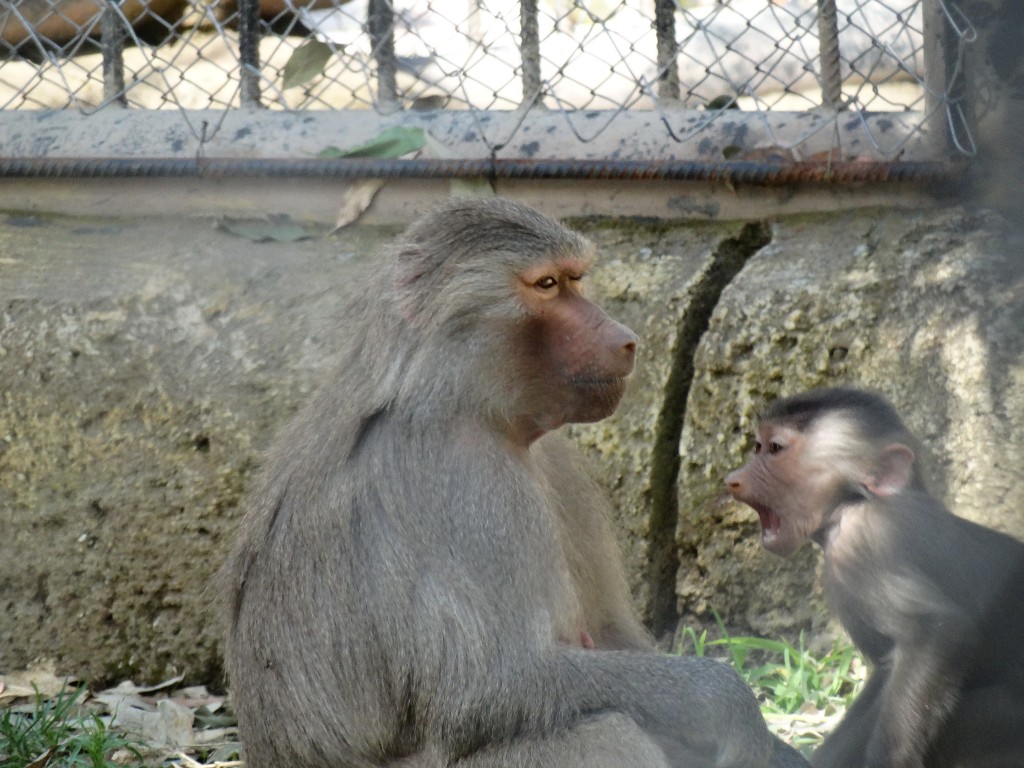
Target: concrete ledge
[[634, 135], [591, 136], [319, 200]]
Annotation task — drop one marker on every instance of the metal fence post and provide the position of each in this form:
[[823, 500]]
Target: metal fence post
[[112, 38], [380, 25], [939, 64], [668, 67], [828, 54], [529, 49], [249, 51]]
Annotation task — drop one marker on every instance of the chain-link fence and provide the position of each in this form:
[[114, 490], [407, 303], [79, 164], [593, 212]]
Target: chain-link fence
[[846, 59]]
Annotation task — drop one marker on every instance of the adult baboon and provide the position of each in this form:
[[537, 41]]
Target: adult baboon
[[421, 578]]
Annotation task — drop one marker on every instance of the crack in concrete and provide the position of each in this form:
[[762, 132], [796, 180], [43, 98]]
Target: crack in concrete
[[729, 258]]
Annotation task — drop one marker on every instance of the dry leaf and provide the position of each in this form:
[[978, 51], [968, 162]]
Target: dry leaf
[[169, 724], [43, 759], [39, 678], [276, 227], [356, 200]]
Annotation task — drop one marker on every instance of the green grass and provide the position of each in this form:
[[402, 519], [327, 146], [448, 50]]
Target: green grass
[[60, 733], [790, 682]]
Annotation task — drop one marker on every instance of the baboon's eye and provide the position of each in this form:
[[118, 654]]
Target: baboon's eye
[[546, 283]]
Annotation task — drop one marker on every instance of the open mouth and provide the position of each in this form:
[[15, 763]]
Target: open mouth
[[771, 524]]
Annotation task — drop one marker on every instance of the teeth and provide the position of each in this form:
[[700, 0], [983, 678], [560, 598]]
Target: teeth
[[769, 520]]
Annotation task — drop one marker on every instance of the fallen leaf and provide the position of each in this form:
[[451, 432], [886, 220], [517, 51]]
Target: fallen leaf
[[126, 687], [356, 200], [198, 698], [222, 755], [305, 63], [43, 759], [275, 227], [39, 679], [115, 701], [394, 142], [169, 724]]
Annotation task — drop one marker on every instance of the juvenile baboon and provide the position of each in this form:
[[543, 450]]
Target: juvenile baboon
[[935, 602], [422, 578]]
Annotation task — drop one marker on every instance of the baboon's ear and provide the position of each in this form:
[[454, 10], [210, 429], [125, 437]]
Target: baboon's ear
[[892, 472]]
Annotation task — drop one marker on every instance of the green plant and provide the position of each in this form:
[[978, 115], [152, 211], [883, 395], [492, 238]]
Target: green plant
[[699, 642], [59, 733], [787, 679]]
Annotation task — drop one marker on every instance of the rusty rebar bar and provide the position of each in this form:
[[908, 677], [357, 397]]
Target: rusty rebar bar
[[753, 173]]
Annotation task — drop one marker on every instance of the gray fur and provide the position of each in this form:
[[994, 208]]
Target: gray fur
[[935, 602], [409, 583]]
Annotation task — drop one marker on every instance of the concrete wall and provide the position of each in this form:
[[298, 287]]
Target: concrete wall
[[144, 363]]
